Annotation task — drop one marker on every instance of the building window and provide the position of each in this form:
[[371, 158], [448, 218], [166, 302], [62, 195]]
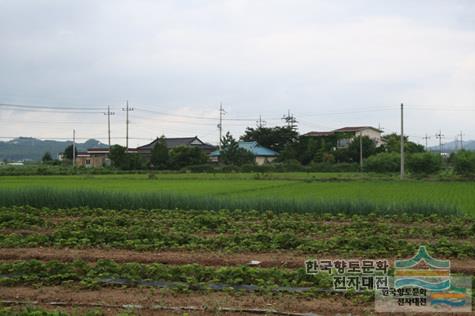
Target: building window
[[88, 161], [342, 143]]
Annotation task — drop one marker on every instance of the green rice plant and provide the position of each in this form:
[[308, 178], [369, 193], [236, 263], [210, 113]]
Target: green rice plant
[[57, 198]]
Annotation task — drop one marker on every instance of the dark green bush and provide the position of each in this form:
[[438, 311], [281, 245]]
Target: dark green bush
[[464, 163], [257, 168], [384, 162], [201, 168], [293, 165], [334, 167], [424, 163]]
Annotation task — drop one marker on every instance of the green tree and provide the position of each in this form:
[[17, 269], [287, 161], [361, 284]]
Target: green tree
[[232, 154], [464, 163], [275, 138], [134, 161], [47, 157], [121, 159], [183, 156], [118, 156], [352, 152], [369, 148], [68, 152], [303, 150], [392, 143], [160, 158]]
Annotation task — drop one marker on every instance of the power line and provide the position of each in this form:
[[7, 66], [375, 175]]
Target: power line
[[177, 115], [194, 116], [49, 122], [52, 111], [69, 138], [440, 108], [379, 109], [46, 107], [426, 138]]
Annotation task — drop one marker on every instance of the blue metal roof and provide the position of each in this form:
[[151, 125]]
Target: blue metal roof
[[254, 148]]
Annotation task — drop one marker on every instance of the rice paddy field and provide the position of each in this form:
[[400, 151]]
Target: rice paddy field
[[223, 244], [380, 190]]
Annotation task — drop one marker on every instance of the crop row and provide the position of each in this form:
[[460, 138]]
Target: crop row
[[370, 246], [234, 231], [190, 276], [56, 198], [160, 222]]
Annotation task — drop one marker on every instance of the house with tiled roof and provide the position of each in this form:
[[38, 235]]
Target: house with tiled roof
[[99, 157], [176, 142], [262, 154]]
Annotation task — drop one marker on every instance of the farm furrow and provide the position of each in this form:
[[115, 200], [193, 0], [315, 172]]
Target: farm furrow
[[224, 258], [212, 301], [286, 259]]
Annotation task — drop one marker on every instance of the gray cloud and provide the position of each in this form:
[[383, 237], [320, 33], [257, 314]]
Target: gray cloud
[[317, 58]]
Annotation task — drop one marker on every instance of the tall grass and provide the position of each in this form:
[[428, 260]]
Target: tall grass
[[57, 198]]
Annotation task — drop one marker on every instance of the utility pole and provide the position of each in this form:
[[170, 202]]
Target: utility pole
[[127, 110], [109, 113], [260, 122], [74, 148], [220, 125], [290, 120], [361, 151], [439, 137], [426, 138], [461, 140], [402, 141]]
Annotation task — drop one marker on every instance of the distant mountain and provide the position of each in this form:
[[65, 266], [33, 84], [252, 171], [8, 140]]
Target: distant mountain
[[28, 148], [454, 145]]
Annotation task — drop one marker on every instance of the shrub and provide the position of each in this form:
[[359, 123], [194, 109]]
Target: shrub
[[464, 163], [258, 168], [424, 163], [200, 168], [334, 167], [384, 162], [293, 165]]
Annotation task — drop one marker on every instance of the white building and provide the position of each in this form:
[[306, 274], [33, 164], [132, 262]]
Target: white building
[[343, 136]]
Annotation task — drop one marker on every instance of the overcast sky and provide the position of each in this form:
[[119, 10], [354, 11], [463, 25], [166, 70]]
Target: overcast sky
[[332, 63]]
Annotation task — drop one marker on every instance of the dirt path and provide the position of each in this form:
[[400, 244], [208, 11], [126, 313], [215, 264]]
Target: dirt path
[[212, 300], [275, 259]]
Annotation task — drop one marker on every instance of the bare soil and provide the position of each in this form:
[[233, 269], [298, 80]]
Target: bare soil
[[212, 301], [286, 259]]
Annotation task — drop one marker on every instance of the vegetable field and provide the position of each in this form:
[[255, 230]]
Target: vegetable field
[[203, 258]]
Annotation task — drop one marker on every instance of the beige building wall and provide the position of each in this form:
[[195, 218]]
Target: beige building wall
[[372, 134], [91, 162], [263, 160]]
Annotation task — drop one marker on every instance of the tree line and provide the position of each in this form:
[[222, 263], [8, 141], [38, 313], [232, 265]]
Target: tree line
[[296, 150]]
